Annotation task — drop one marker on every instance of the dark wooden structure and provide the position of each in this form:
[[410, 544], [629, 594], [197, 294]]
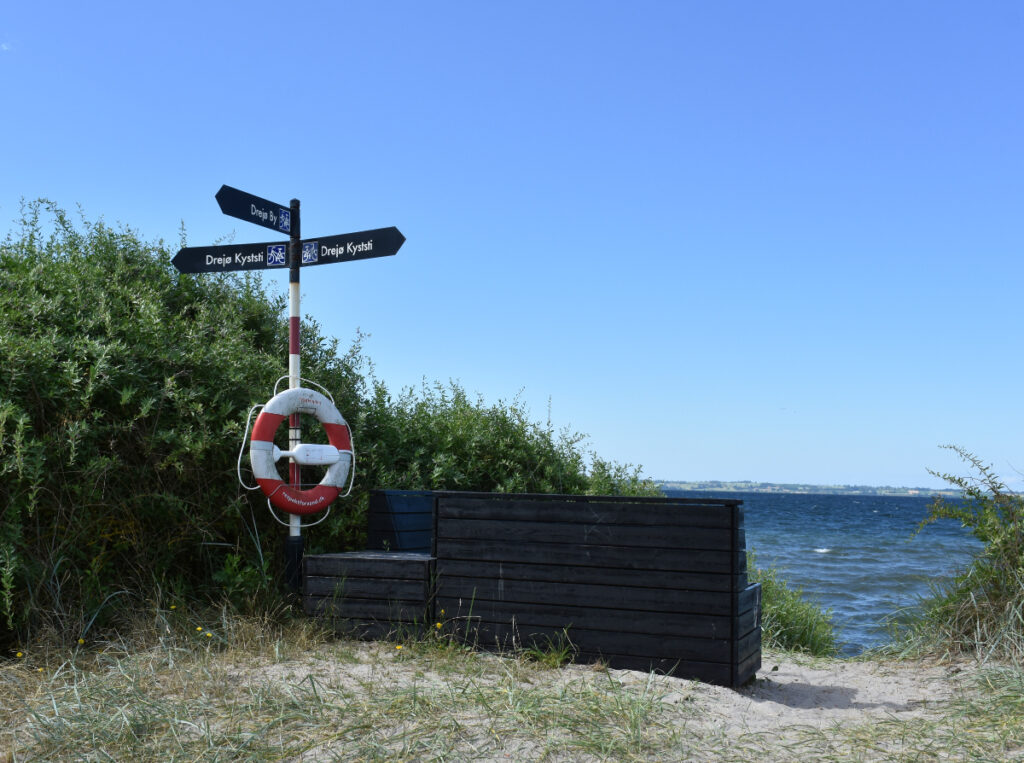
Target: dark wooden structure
[[370, 594], [642, 583]]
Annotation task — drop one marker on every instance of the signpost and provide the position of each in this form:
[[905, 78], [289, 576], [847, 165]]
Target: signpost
[[296, 252], [380, 242]]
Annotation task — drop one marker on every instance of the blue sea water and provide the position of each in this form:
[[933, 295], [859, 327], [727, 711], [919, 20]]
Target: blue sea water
[[855, 554]]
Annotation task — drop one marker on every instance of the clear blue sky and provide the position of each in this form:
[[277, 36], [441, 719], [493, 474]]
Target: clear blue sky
[[767, 241]]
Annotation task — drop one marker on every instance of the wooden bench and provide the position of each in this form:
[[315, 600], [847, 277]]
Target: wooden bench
[[642, 583]]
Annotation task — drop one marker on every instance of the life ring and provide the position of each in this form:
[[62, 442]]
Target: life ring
[[262, 454]]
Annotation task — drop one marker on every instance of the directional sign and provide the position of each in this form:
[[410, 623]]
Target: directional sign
[[220, 259], [380, 242], [253, 209]]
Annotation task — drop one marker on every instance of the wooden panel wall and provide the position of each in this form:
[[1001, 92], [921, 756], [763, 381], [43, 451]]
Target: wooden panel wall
[[370, 594], [639, 584]]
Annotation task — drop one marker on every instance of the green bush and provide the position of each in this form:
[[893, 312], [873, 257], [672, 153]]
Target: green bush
[[122, 401], [788, 620], [981, 611], [124, 388]]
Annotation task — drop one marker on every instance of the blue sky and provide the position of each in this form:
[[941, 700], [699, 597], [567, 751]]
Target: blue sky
[[766, 241]]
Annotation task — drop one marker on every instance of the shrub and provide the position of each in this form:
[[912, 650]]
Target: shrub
[[123, 388], [981, 611]]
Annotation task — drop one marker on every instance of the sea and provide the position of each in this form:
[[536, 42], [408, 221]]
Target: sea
[[857, 555]]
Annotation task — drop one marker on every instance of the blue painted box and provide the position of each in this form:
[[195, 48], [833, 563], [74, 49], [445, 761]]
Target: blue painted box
[[401, 520]]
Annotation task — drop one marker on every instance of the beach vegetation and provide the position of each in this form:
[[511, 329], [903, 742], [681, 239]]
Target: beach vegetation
[[258, 688], [789, 619], [981, 610]]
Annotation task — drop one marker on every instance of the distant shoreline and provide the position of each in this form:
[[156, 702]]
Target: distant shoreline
[[715, 486]]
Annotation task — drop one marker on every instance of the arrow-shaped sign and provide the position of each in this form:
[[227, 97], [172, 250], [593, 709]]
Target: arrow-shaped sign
[[253, 209], [220, 259], [380, 242]]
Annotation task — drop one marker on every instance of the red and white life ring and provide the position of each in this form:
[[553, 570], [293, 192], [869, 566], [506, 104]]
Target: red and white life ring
[[262, 454]]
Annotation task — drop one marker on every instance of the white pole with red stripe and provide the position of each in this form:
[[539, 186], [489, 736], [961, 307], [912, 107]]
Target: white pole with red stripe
[[293, 546]]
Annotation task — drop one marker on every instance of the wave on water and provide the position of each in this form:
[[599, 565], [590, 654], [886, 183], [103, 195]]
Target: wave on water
[[868, 561]]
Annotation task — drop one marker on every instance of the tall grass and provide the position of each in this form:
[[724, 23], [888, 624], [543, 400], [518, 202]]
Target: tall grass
[[981, 611], [790, 621]]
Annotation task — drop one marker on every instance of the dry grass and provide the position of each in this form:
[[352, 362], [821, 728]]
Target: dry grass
[[253, 690]]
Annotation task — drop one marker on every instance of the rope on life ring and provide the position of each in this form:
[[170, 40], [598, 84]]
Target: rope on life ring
[[263, 454]]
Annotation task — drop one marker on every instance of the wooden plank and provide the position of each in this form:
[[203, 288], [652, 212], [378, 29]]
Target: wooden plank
[[746, 645], [716, 673], [699, 581], [673, 560], [746, 656], [604, 642], [622, 512], [366, 609], [375, 630], [382, 589], [654, 536], [748, 621], [747, 668], [577, 594], [747, 659], [749, 644], [590, 618], [379, 564], [749, 599], [374, 555]]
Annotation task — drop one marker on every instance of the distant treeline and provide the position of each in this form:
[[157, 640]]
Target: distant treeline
[[785, 487]]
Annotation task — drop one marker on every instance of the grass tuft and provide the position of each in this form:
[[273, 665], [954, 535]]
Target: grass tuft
[[789, 621]]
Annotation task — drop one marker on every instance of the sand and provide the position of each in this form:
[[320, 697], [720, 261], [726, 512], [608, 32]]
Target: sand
[[796, 706]]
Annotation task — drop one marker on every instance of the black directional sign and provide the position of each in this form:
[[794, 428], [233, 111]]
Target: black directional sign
[[253, 209], [380, 242], [220, 259]]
